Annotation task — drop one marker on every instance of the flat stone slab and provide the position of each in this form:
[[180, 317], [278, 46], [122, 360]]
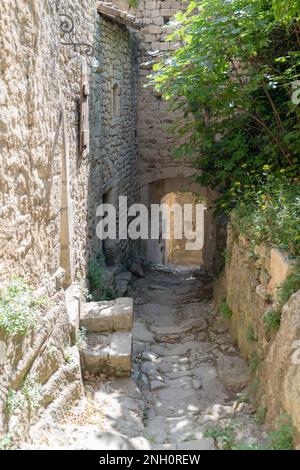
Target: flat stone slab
[[201, 444], [109, 354], [141, 333], [108, 316]]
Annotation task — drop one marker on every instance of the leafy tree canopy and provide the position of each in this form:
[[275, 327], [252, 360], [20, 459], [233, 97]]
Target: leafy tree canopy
[[232, 77]]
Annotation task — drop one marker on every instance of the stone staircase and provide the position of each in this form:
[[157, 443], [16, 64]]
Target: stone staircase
[[108, 345]]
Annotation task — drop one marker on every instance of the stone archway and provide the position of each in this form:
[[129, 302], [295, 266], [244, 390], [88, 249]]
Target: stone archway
[[153, 188]]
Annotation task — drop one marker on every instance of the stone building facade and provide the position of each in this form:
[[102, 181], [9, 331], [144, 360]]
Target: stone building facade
[[49, 188]]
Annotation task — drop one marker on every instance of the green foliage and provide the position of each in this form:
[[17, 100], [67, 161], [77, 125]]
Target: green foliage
[[272, 320], [14, 401], [6, 443], [97, 276], [225, 310], [272, 317], [81, 337], [270, 213], [254, 362], [280, 439], [133, 3], [18, 307], [224, 436], [250, 334], [232, 78], [286, 10], [260, 415], [283, 437], [32, 391], [249, 447], [68, 356], [289, 286]]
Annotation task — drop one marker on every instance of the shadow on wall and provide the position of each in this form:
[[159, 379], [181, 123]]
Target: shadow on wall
[[113, 148], [183, 189]]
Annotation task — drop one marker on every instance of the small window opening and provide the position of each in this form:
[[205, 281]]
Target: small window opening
[[116, 100]]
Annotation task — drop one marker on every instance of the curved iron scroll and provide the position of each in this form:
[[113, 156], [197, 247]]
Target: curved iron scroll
[[67, 29]]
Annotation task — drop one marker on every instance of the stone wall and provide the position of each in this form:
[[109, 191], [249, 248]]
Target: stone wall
[[113, 158], [40, 375], [248, 289], [48, 189], [158, 170], [39, 135]]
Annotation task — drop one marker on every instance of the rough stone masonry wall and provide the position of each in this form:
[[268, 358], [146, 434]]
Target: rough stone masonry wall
[[39, 91], [39, 146], [158, 171], [250, 288], [39, 78], [40, 375], [155, 142], [113, 170]]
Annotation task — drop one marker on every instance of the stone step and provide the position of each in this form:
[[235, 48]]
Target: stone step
[[108, 316], [110, 354]]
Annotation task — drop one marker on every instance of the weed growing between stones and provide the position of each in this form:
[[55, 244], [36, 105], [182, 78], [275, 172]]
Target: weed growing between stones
[[6, 443], [100, 286], [254, 362], [280, 439], [81, 337], [32, 392], [272, 318], [225, 311], [14, 400], [250, 334], [260, 415], [224, 436], [18, 307]]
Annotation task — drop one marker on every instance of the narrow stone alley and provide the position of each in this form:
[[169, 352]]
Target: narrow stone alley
[[185, 379]]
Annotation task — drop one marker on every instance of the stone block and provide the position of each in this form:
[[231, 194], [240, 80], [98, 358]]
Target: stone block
[[73, 304], [120, 354], [123, 314], [95, 353], [97, 317], [280, 268]]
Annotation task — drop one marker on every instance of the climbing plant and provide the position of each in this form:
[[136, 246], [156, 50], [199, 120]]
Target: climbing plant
[[233, 77]]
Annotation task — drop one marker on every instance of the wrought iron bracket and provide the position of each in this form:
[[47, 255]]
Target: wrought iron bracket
[[68, 39]]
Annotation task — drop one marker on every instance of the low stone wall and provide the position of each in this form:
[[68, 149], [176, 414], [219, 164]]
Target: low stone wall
[[40, 376], [248, 289]]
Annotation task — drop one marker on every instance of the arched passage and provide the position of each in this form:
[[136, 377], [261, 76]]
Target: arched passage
[[174, 181]]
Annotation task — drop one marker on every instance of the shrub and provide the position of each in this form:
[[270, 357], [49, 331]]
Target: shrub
[[282, 438], [13, 401], [270, 213], [98, 280], [260, 415], [18, 307], [225, 436], [289, 286], [272, 320]]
